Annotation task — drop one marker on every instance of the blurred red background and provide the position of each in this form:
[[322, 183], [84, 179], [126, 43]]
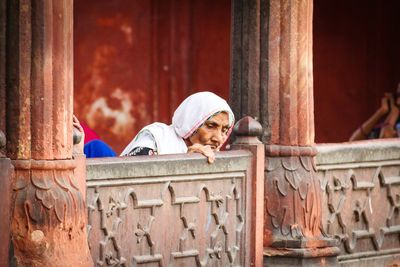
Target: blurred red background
[[135, 61]]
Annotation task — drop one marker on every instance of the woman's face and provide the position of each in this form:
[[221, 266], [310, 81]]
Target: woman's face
[[214, 132]]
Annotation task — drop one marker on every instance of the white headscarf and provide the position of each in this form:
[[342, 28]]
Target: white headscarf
[[188, 117], [195, 110]]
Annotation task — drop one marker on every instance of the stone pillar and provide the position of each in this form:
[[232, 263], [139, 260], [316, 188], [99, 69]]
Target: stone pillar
[[49, 217], [6, 170], [247, 130], [6, 174], [273, 81]]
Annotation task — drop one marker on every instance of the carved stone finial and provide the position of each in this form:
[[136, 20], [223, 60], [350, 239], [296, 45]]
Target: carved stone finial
[[247, 130], [77, 136], [247, 126]]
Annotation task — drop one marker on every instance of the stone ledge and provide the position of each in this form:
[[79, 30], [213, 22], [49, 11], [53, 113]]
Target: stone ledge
[[360, 151], [170, 165]]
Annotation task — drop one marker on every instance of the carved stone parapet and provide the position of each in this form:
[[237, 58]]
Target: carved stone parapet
[[172, 210], [361, 203], [49, 209]]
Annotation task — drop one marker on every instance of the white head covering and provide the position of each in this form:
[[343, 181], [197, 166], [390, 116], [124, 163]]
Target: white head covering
[[195, 110], [188, 117]]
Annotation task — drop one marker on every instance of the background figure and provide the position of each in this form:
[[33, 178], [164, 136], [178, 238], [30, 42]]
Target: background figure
[[93, 146], [384, 123]]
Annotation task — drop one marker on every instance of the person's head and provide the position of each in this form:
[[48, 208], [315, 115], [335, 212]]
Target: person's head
[[204, 118]]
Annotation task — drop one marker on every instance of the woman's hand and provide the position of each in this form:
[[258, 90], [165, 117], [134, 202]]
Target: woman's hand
[[206, 150], [385, 103], [388, 130], [78, 148]]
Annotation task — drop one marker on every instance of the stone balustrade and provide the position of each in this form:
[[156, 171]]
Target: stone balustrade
[[361, 200], [172, 210]]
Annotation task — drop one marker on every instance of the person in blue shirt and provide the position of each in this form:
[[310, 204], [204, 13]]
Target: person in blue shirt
[[93, 146]]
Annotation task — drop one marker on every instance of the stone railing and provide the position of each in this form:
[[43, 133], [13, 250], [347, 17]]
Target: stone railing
[[173, 210], [6, 176], [361, 181]]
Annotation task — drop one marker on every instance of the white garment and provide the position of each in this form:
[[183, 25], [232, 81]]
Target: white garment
[[161, 138], [188, 117]]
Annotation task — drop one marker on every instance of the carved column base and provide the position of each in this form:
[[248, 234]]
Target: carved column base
[[49, 218], [309, 257], [293, 234]]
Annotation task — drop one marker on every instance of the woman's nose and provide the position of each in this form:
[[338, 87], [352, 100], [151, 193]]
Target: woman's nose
[[217, 137]]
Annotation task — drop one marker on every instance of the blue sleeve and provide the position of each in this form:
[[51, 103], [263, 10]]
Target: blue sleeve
[[98, 149]]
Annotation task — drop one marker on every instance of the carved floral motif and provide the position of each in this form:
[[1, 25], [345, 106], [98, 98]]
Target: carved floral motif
[[48, 208], [292, 200]]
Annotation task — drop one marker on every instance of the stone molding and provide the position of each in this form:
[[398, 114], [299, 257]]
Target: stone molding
[[358, 152]]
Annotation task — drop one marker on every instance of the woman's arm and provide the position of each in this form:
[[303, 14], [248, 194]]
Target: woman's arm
[[365, 129], [388, 130]]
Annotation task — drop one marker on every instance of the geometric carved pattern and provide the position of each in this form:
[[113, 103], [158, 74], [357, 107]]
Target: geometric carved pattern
[[196, 221], [363, 205]]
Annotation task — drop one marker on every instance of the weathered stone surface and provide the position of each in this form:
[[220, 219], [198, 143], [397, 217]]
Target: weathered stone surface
[[248, 126], [101, 168], [273, 82], [292, 203], [245, 60], [173, 210], [49, 219], [360, 207], [361, 151], [2, 144], [6, 175], [247, 131], [49, 215]]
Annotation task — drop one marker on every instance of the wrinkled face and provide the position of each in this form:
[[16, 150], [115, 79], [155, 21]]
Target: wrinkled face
[[214, 131]]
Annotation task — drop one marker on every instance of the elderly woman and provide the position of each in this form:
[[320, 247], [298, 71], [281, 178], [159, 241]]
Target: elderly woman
[[201, 124]]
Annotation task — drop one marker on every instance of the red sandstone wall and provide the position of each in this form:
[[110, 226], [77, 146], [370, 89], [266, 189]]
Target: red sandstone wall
[[135, 61], [356, 60]]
